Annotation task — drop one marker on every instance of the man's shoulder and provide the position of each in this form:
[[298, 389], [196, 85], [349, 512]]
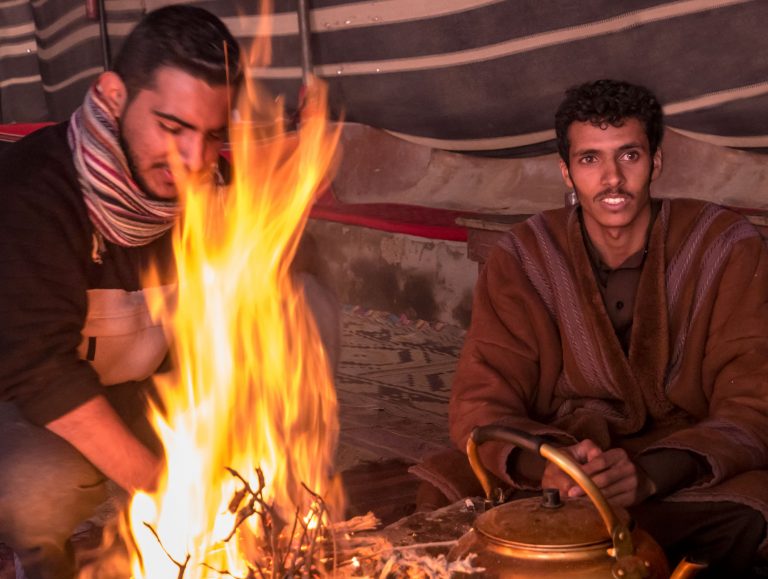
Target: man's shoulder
[[39, 170], [44, 151], [696, 218], [541, 235], [548, 224], [44, 140]]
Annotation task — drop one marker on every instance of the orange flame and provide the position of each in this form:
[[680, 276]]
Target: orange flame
[[252, 387]]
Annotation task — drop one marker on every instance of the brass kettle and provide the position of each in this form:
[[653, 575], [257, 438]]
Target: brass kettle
[[549, 537]]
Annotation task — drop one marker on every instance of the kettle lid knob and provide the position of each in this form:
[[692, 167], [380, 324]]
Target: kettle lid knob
[[550, 499]]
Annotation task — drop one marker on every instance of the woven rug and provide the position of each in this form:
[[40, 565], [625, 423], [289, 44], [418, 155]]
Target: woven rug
[[393, 385]]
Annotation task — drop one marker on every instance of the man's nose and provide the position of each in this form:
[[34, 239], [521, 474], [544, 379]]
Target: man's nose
[[612, 174], [194, 153]]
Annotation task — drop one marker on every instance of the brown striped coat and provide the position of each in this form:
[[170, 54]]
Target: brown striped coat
[[542, 355]]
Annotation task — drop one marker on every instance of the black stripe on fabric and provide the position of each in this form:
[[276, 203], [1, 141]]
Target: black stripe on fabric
[[72, 62], [23, 103], [24, 64], [91, 354], [15, 15], [64, 101], [48, 13], [9, 36], [63, 34]]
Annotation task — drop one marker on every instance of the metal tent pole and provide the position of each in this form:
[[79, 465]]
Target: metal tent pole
[[304, 37], [95, 9]]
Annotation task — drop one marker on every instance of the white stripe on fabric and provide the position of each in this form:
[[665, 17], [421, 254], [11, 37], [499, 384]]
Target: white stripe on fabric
[[717, 98], [17, 30], [359, 15], [347, 16], [79, 12], [489, 144], [18, 48], [91, 72], [759, 141], [87, 32], [11, 3], [61, 22], [510, 47], [33, 79]]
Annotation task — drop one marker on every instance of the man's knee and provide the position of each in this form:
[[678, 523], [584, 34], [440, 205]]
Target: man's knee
[[35, 463], [726, 535], [47, 488]]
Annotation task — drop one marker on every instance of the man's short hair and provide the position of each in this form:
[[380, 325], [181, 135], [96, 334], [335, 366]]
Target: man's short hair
[[612, 102], [188, 38]]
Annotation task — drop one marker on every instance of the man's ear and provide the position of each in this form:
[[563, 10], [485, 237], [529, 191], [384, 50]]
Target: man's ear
[[658, 157], [112, 89], [566, 174]]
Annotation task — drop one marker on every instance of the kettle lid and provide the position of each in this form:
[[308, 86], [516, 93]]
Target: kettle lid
[[542, 524]]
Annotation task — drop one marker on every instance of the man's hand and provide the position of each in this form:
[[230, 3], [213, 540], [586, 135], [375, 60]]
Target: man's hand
[[618, 478]]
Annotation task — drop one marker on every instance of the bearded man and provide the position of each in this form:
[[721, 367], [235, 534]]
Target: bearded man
[[633, 332], [88, 204]]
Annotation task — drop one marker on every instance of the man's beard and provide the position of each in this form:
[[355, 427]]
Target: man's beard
[[130, 158]]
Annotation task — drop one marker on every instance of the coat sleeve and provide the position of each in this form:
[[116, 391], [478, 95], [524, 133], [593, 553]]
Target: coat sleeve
[[512, 349], [732, 433], [43, 301]]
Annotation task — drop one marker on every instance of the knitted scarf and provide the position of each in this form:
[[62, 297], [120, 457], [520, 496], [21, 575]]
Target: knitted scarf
[[118, 208]]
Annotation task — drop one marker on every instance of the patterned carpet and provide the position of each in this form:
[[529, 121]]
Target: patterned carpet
[[393, 384]]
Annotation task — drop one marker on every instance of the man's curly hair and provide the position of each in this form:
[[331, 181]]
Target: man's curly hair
[[612, 102]]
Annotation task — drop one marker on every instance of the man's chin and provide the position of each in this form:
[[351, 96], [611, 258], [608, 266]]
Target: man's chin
[[161, 191]]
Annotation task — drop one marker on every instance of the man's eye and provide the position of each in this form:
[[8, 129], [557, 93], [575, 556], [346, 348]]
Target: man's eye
[[631, 156], [172, 129], [588, 159]]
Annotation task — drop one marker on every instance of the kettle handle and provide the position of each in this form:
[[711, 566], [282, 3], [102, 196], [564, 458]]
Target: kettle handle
[[619, 532]]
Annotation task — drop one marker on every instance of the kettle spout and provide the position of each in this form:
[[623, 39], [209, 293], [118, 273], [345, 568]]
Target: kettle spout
[[686, 569]]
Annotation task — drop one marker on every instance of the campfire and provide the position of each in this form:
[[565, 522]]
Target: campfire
[[249, 423]]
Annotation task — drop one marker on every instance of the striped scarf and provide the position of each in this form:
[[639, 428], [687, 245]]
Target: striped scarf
[[121, 212]]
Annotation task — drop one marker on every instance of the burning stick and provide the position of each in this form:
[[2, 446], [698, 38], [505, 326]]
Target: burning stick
[[182, 566], [289, 557]]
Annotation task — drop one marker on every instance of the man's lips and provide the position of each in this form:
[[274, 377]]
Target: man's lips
[[614, 199], [166, 175]]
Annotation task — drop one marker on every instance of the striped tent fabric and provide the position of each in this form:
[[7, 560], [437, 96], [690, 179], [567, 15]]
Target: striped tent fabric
[[469, 75], [21, 92], [45, 71]]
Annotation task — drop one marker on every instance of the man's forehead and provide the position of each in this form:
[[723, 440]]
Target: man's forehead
[[597, 136], [176, 94]]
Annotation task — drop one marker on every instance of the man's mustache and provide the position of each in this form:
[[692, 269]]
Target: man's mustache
[[612, 193]]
